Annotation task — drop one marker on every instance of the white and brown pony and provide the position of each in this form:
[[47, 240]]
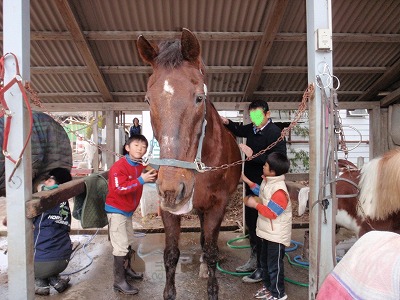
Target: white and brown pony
[[369, 199]]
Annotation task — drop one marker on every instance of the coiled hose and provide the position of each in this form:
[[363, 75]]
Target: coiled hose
[[299, 264]]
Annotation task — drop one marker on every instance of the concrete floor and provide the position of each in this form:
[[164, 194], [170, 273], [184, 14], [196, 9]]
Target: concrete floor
[[95, 279]]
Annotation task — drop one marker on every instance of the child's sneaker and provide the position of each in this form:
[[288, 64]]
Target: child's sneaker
[[284, 297], [262, 293]]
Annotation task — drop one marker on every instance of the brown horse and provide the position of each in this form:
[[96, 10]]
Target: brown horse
[[191, 136], [369, 199]]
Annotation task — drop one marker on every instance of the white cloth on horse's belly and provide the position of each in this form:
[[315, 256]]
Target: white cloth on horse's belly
[[303, 200], [369, 270]]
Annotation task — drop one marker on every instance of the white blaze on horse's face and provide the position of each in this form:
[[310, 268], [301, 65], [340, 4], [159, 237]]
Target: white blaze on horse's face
[[168, 142], [168, 88]]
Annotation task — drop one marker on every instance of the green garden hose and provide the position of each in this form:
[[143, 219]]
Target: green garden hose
[[230, 244]]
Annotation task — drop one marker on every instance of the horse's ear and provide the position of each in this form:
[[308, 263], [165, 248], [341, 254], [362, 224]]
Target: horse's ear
[[190, 47], [146, 51]]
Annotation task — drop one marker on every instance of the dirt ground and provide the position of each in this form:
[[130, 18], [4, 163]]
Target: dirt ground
[[92, 264], [95, 279]]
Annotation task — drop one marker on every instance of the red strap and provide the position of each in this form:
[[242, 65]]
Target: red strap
[[17, 79]]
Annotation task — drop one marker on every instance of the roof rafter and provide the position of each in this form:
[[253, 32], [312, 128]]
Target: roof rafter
[[274, 17], [391, 75], [391, 98], [81, 43]]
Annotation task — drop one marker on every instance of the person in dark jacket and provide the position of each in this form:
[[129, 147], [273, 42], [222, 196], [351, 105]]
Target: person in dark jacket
[[259, 134], [135, 128], [52, 244]]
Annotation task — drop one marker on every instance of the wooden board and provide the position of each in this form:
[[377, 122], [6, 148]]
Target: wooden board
[[44, 200]]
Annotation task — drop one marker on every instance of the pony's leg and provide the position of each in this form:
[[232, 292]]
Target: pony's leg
[[203, 270], [172, 228], [212, 224]]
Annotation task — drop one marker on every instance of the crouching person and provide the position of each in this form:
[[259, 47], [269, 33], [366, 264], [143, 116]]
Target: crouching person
[[52, 243], [125, 186]]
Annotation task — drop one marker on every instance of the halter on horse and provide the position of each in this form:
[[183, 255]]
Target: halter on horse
[[191, 135], [378, 205]]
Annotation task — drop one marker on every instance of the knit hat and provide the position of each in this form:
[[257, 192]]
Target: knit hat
[[60, 175]]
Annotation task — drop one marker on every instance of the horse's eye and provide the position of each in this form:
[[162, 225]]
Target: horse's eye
[[200, 98], [147, 100]]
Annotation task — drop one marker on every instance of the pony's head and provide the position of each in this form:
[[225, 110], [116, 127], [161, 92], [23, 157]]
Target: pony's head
[[176, 94]]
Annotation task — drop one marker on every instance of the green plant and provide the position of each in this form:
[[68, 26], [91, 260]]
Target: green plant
[[301, 131], [300, 160]]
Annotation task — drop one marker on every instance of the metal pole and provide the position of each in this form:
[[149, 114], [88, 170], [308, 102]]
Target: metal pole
[[319, 53], [16, 24]]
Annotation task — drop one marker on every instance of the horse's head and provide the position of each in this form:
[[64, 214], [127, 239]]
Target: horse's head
[[176, 94]]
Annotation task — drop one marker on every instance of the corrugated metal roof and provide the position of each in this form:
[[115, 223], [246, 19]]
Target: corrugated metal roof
[[366, 47]]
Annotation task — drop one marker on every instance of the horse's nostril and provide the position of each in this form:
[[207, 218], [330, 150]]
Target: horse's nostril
[[181, 192], [160, 193]]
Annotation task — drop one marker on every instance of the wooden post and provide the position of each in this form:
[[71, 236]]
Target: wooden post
[[375, 123], [96, 141], [110, 137], [16, 26]]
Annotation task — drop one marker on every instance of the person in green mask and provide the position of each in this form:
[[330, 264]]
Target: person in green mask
[[259, 134]]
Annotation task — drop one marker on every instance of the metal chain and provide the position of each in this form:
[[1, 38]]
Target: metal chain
[[308, 94]]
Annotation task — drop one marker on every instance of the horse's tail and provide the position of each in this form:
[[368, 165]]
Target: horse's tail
[[380, 186]]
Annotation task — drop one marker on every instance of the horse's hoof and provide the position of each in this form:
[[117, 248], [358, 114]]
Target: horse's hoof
[[203, 272]]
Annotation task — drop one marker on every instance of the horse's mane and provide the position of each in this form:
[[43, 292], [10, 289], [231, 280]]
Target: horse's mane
[[380, 186], [170, 55]]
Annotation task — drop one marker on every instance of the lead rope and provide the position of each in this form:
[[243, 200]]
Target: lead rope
[[8, 114]]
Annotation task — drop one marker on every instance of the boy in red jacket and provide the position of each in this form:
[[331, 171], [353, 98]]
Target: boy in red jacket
[[125, 186]]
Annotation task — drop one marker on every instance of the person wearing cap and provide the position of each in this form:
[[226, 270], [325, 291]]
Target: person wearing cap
[[52, 243], [259, 134]]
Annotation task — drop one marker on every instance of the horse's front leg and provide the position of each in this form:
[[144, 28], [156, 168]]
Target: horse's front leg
[[212, 224], [172, 227], [203, 270]]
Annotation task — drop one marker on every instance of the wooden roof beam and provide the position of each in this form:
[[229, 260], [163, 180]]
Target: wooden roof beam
[[81, 43], [209, 69], [391, 75], [71, 95], [141, 106], [211, 36], [391, 98], [274, 18]]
